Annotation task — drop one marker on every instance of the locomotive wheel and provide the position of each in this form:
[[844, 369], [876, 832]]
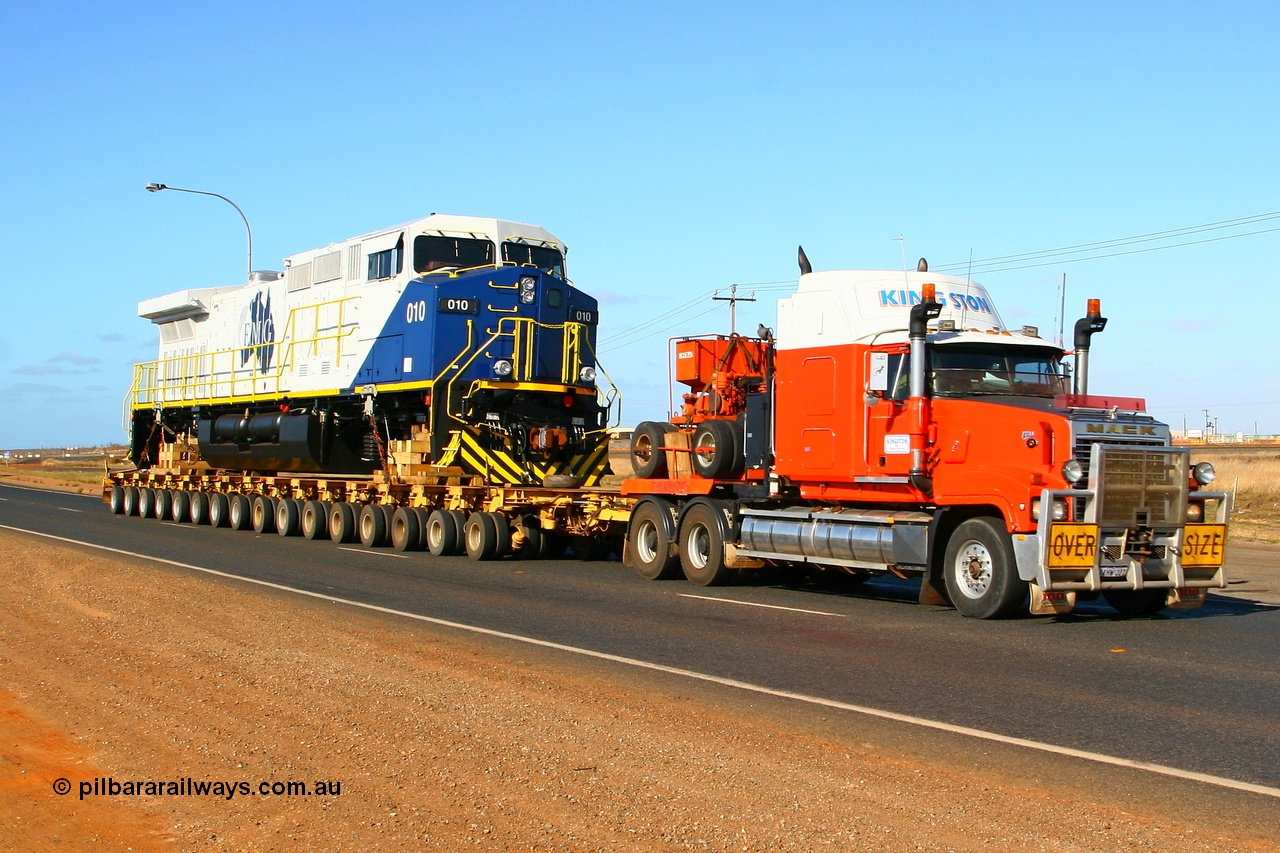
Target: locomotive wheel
[[443, 535], [702, 538], [239, 512], [980, 573], [342, 522], [289, 517], [199, 508], [373, 526], [406, 530], [264, 514], [651, 543], [716, 450], [1136, 602], [647, 456], [180, 511], [164, 504], [146, 503], [117, 500], [315, 520], [481, 536], [131, 499], [422, 515]]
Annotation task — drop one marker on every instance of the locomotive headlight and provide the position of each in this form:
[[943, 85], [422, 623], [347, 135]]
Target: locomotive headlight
[[1204, 473], [502, 367], [527, 296], [1073, 471], [587, 374]]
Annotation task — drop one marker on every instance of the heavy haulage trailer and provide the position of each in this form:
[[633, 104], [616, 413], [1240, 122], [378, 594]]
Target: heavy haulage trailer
[[891, 425]]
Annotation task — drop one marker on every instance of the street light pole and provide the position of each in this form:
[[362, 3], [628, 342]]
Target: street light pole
[[155, 188]]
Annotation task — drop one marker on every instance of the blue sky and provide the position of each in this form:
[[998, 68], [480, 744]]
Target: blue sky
[[675, 147]]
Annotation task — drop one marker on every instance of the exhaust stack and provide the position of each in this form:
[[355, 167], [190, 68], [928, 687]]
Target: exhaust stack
[[1086, 327], [918, 328]]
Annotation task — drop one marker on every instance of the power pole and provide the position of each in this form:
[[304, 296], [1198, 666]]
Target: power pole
[[733, 299]]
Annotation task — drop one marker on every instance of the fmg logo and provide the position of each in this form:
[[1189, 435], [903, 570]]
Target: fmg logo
[[259, 332]]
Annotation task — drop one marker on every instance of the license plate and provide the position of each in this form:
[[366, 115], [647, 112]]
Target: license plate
[[1203, 544], [1072, 546]]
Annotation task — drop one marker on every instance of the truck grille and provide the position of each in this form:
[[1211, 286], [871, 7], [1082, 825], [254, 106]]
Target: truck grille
[[1139, 487]]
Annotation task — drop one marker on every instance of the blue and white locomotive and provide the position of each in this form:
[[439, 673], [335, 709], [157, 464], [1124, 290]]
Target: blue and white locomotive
[[460, 332]]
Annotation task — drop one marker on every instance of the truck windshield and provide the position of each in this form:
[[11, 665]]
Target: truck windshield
[[976, 371]]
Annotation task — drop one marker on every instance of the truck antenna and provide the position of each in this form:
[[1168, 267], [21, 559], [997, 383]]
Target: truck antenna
[[1062, 309]]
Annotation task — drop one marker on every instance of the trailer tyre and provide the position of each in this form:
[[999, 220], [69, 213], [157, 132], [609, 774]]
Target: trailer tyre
[[264, 514], [980, 573], [647, 456], [164, 504], [422, 515], [703, 531], [406, 530], [315, 520], [146, 503], [117, 500], [502, 529], [649, 537], [342, 523], [289, 517], [239, 512], [199, 508], [480, 535], [1136, 602], [132, 497], [373, 526], [442, 534], [180, 510], [219, 510], [717, 451]]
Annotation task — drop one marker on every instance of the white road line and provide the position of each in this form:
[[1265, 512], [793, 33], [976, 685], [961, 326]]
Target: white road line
[[757, 604], [747, 686], [69, 509], [177, 525], [372, 553]]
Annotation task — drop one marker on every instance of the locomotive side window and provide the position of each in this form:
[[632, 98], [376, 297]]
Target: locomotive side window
[[543, 257], [554, 298], [432, 252], [388, 263]]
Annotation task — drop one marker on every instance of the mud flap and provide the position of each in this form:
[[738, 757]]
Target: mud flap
[[1047, 603], [1185, 599]]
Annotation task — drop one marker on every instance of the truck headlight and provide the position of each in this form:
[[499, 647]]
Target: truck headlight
[[587, 374], [1073, 471], [1195, 512], [1057, 512], [502, 367], [1204, 473]]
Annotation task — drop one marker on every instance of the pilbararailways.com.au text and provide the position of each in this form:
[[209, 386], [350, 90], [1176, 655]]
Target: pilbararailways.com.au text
[[188, 787]]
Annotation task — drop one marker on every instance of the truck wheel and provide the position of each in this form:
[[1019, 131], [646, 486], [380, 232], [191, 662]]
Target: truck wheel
[[502, 529], [702, 536], [239, 512], [219, 510], [264, 514], [288, 517], [315, 520], [716, 450], [980, 573], [1136, 602], [373, 526], [180, 511], [164, 504], [422, 515], [647, 456], [406, 532], [651, 543], [146, 503], [342, 523], [117, 500], [131, 499], [199, 508], [442, 534], [480, 535]]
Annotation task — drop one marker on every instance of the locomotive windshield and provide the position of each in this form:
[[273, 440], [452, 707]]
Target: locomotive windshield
[[975, 371], [434, 252], [545, 258]]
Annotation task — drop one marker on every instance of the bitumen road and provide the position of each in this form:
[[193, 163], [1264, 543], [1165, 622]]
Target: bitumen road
[[1196, 691]]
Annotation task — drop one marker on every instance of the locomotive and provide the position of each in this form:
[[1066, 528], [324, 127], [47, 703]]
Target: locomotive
[[462, 335]]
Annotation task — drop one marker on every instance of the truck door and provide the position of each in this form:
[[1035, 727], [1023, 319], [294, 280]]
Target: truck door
[[888, 446]]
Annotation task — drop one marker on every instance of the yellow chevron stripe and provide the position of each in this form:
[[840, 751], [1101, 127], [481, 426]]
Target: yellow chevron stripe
[[493, 462]]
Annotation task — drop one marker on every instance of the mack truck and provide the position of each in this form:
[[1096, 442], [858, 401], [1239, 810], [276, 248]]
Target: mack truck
[[894, 424]]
